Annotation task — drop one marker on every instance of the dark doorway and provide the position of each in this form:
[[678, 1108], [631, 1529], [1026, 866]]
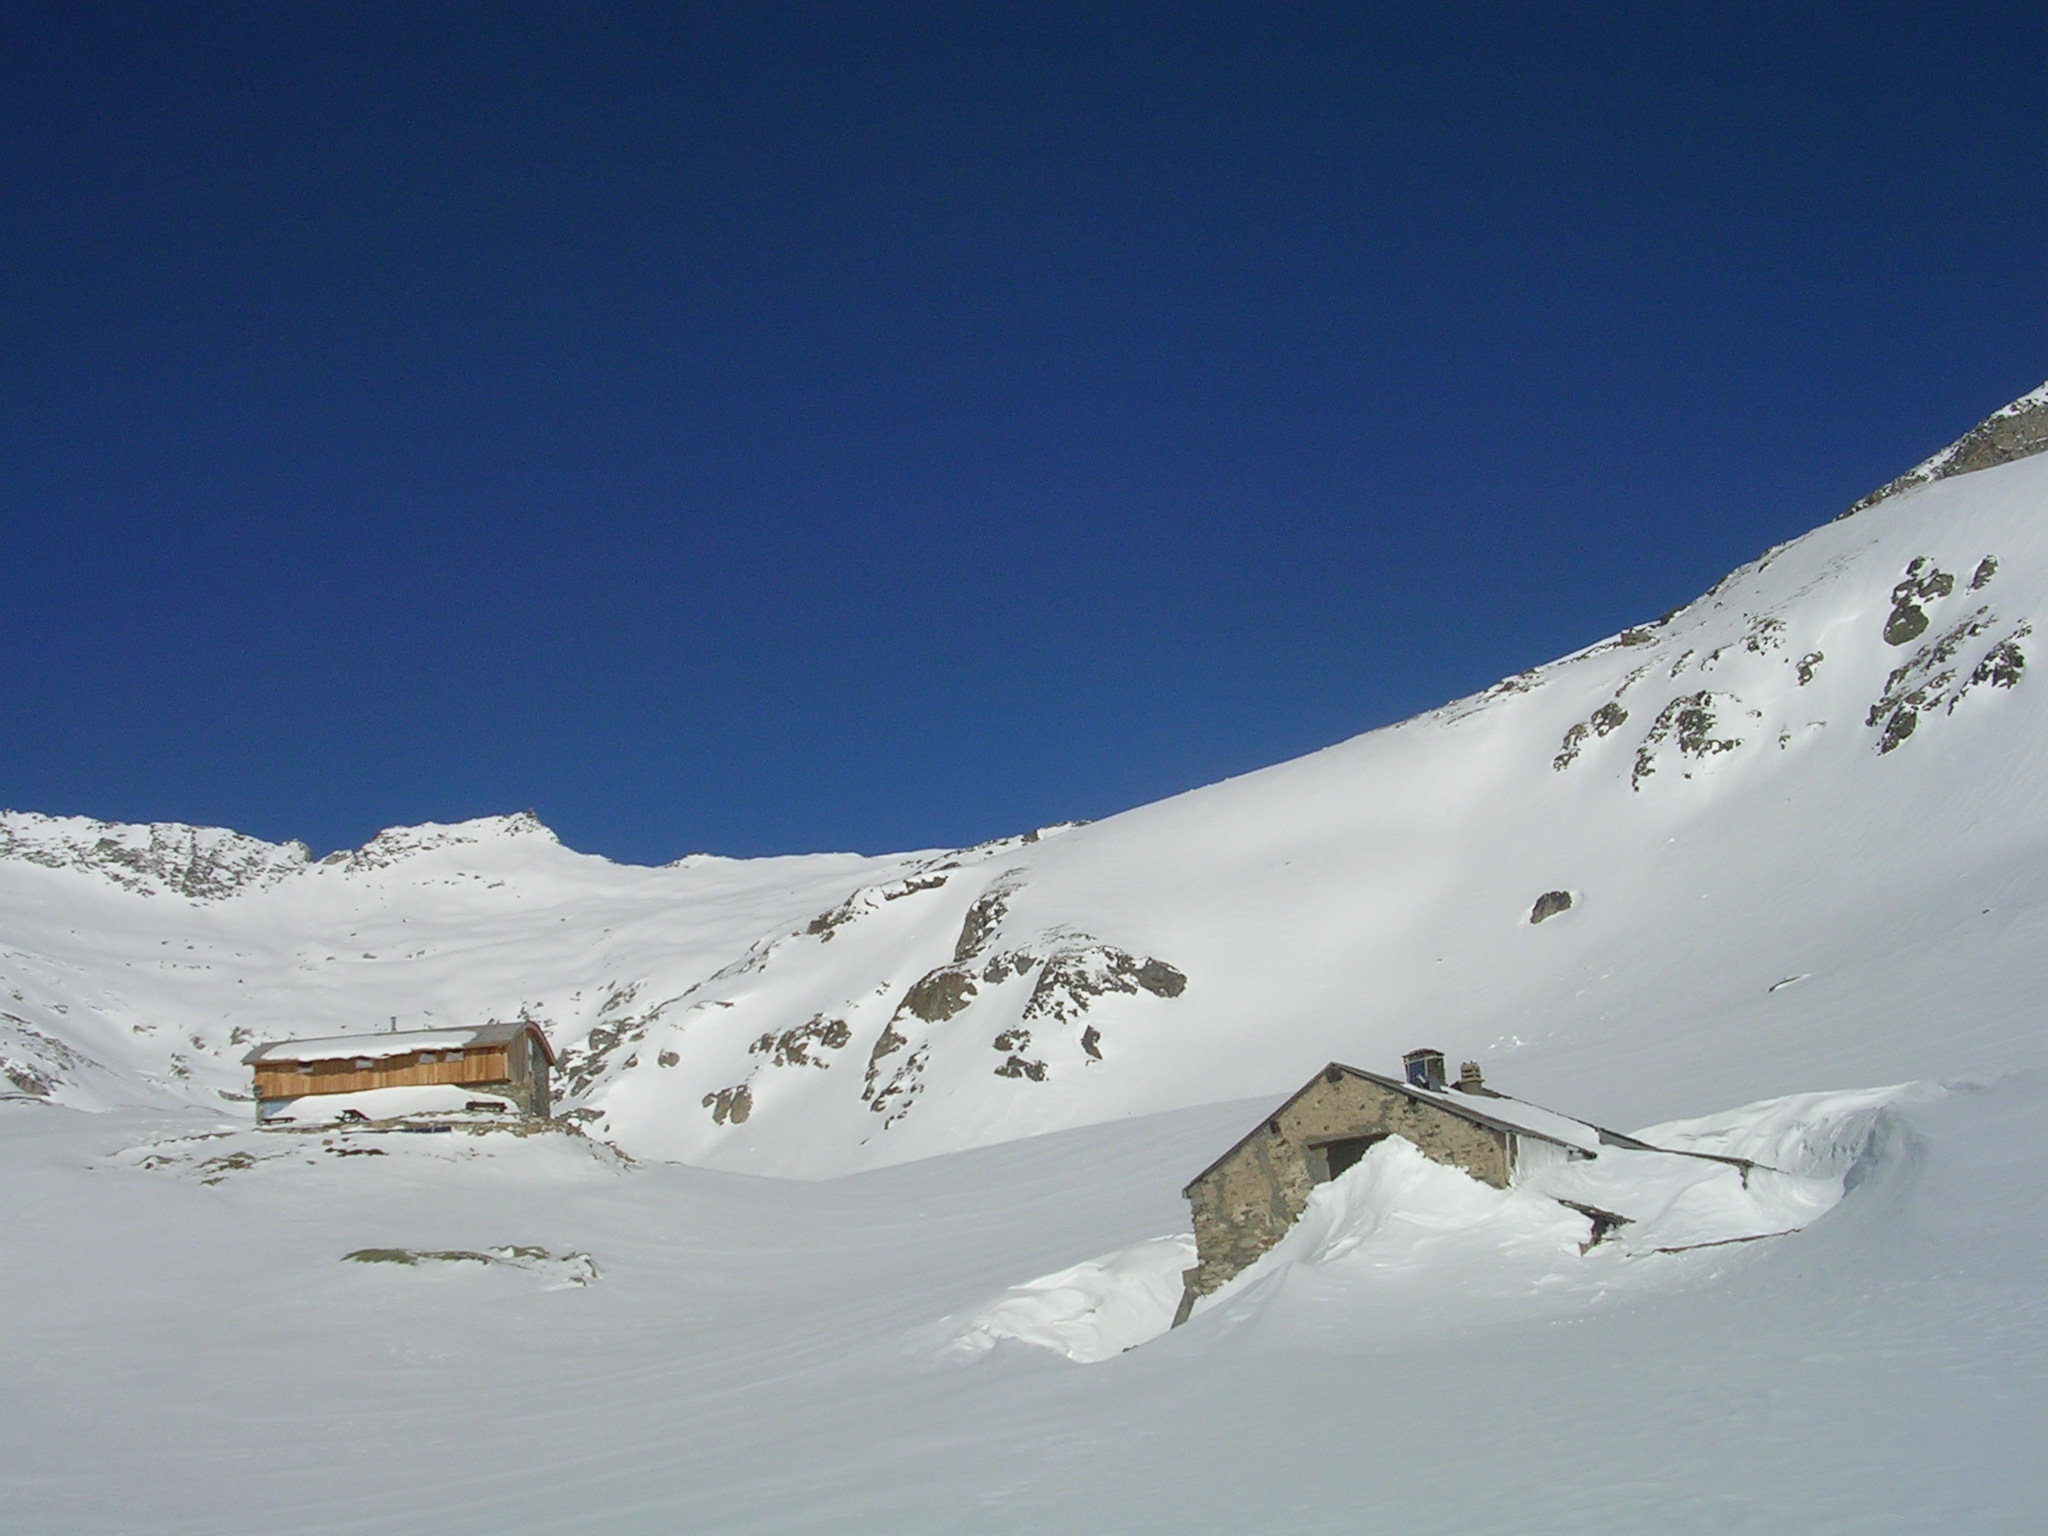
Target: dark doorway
[[1340, 1155]]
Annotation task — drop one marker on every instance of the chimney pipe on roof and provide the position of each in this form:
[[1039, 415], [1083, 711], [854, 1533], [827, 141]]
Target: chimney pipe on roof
[[1424, 1069], [1469, 1080]]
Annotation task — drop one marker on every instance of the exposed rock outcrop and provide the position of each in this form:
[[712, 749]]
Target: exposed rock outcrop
[[161, 858], [2018, 431]]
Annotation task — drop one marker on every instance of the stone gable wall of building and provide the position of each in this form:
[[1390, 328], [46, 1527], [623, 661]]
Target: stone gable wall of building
[[1245, 1205]]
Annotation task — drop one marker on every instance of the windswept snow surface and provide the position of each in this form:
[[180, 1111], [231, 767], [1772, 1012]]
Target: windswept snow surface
[[875, 1169], [765, 1355]]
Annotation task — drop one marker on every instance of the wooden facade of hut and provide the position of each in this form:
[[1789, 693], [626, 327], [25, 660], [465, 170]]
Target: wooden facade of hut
[[509, 1061]]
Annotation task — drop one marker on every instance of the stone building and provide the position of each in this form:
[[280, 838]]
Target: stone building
[[1244, 1202]]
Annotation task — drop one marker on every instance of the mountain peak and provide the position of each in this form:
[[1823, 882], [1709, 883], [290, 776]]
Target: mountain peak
[[159, 858], [2016, 431], [396, 844]]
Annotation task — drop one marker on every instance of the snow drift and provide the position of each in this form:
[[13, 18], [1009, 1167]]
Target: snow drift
[[1397, 1229]]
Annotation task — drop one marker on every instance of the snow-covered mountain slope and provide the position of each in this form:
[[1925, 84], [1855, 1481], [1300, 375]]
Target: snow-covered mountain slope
[[1786, 846], [1800, 823], [138, 962]]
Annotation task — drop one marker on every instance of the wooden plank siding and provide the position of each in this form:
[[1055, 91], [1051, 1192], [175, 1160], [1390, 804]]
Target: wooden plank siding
[[287, 1080]]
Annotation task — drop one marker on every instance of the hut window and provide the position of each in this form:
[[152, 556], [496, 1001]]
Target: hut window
[[364, 1064], [1343, 1154], [305, 1069]]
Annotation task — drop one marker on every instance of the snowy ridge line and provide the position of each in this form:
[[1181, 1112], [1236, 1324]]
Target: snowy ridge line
[[2012, 432], [204, 864], [1617, 855]]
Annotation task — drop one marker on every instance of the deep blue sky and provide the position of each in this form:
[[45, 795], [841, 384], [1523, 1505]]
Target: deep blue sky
[[764, 428]]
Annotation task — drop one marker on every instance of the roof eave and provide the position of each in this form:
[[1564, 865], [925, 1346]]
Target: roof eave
[[494, 1033], [1408, 1090]]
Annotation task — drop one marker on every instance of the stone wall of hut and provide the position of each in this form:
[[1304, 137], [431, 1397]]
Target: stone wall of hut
[[1247, 1202]]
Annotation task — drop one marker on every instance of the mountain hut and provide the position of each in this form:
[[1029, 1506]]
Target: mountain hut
[[432, 1069], [1245, 1201]]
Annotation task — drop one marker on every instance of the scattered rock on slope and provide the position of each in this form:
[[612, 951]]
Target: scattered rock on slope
[[1933, 678], [162, 858]]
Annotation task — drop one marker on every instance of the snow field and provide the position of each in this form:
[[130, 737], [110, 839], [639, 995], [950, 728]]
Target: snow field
[[766, 1355]]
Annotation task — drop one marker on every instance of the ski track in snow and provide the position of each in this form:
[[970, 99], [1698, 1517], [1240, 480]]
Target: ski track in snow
[[831, 1115]]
